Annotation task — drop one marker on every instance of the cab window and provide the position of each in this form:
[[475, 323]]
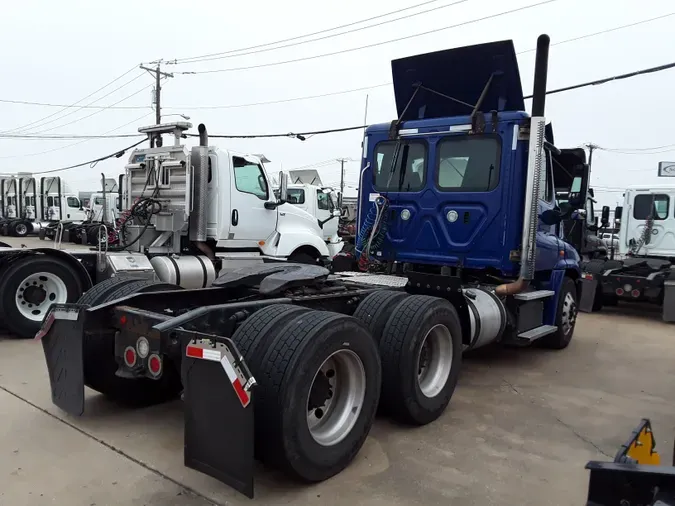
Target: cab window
[[250, 178], [655, 205], [323, 201], [73, 202], [400, 166], [295, 196], [546, 180], [468, 164]]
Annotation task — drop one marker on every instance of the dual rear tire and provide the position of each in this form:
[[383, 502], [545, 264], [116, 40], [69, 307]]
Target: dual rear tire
[[320, 376]]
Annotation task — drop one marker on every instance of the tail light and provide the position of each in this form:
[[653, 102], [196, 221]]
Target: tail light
[[130, 356], [635, 293], [155, 365], [619, 291]]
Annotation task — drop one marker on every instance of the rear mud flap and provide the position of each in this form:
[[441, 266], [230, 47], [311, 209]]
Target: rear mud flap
[[588, 291], [218, 412], [61, 335]]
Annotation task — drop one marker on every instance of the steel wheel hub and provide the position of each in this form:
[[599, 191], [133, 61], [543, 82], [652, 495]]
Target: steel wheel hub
[[569, 313], [336, 397], [434, 361], [38, 292]]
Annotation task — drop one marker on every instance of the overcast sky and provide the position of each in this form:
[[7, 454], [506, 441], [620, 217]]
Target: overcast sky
[[61, 51]]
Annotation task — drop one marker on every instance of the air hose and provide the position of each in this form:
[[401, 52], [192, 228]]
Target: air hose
[[372, 233]]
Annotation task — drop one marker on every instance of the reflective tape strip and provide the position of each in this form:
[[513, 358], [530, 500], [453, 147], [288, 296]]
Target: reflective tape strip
[[203, 353], [243, 395]]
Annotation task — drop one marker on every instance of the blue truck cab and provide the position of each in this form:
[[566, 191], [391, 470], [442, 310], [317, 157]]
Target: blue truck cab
[[461, 190]]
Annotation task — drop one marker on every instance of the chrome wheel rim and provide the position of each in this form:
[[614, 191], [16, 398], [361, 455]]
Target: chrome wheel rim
[[21, 229], [38, 292], [434, 361], [336, 397]]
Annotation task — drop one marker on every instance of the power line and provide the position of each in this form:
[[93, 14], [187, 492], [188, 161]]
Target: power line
[[46, 104], [93, 113], [76, 143], [41, 120], [62, 137], [188, 59], [375, 44], [353, 30], [619, 77], [608, 30], [302, 135], [116, 154]]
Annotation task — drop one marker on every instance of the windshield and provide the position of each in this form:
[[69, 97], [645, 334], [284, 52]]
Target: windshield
[[409, 156]]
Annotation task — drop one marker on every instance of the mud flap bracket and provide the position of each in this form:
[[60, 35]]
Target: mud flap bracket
[[218, 396]]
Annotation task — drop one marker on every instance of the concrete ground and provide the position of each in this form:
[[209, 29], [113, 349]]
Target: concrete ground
[[519, 430]]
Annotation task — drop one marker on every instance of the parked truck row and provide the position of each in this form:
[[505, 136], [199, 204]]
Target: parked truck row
[[456, 210]]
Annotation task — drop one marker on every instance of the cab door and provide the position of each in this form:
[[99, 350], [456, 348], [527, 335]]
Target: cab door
[[250, 220]]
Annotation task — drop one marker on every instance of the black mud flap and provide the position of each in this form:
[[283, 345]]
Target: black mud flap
[[218, 411], [62, 336], [589, 288]]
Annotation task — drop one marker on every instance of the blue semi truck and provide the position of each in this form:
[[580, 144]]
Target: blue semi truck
[[459, 246]]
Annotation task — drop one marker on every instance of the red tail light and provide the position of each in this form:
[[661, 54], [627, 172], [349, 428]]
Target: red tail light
[[635, 293], [155, 365], [619, 291], [130, 356]]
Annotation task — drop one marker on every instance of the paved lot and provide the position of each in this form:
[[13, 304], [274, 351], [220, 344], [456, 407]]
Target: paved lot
[[519, 430]]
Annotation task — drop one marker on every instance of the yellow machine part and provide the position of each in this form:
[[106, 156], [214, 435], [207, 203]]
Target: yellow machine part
[[641, 447]]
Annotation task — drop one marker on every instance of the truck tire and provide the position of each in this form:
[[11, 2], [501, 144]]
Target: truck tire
[[100, 365], [375, 309], [421, 351], [318, 388], [260, 329], [20, 229], [303, 258], [565, 318], [29, 286], [100, 291]]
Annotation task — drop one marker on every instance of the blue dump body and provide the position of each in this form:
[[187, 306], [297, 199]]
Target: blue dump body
[[456, 198]]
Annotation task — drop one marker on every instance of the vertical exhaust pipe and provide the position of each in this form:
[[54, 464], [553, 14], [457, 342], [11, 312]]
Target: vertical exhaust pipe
[[535, 161], [198, 215]]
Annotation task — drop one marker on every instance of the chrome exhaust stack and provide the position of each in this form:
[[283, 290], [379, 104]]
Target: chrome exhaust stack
[[528, 250], [200, 164]]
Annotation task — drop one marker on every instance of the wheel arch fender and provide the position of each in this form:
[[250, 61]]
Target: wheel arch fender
[[73, 262], [290, 243]]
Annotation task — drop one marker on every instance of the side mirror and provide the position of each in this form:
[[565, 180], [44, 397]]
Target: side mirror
[[604, 218], [550, 217], [618, 212], [283, 186]]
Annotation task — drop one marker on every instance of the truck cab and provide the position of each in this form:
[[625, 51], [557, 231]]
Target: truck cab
[[214, 201], [454, 174], [319, 202], [648, 222]]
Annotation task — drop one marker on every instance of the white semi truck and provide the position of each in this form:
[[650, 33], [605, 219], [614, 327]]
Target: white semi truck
[[647, 245], [192, 214], [31, 204]]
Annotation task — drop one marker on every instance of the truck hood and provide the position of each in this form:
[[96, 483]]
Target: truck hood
[[460, 73], [297, 215]]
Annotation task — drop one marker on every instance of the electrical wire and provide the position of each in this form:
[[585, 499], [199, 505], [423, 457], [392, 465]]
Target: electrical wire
[[116, 154], [65, 137], [302, 135], [47, 104], [77, 143], [353, 23], [353, 30], [375, 44], [77, 120], [41, 122]]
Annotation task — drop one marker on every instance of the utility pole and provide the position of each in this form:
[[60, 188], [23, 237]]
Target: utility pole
[[342, 180], [591, 147], [157, 73]]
